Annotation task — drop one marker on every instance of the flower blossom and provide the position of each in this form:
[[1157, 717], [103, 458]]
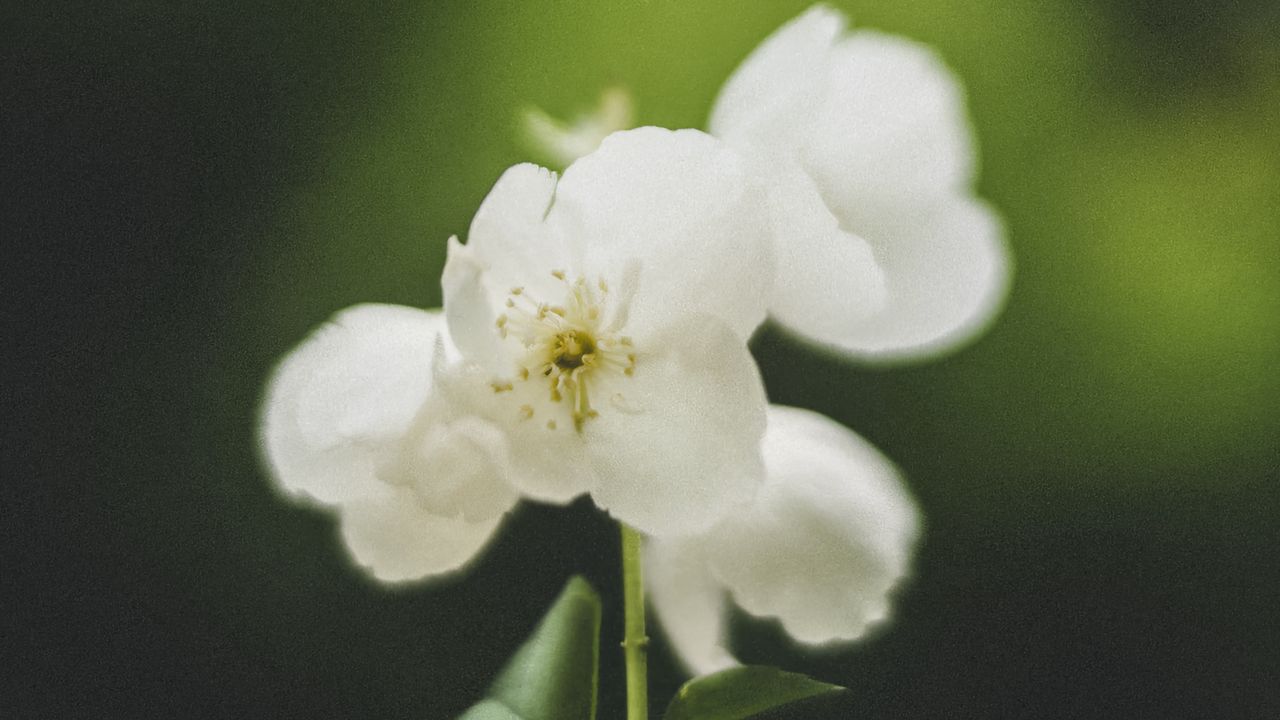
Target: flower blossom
[[883, 251], [593, 340], [609, 311], [361, 418], [821, 548]]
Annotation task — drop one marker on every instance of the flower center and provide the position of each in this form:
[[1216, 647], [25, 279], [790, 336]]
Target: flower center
[[567, 349], [574, 349]]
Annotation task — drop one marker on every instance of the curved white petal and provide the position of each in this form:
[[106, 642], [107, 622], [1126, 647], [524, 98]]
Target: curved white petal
[[677, 444], [548, 457], [689, 604], [870, 115], [469, 309], [829, 536], [397, 540], [828, 280], [510, 237], [892, 126], [456, 462], [544, 461], [781, 83], [684, 206], [336, 405], [947, 273]]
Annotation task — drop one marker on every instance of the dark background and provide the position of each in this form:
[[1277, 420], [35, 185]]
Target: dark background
[[187, 188]]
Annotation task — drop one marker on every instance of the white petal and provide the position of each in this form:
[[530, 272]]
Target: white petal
[[336, 405], [397, 540], [508, 234], [689, 604], [830, 535], [684, 206], [892, 127], [456, 462], [510, 245], [828, 280], [778, 87], [543, 464], [677, 445], [469, 310], [548, 465], [946, 274], [548, 460]]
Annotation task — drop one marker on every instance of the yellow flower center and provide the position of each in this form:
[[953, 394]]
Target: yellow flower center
[[567, 348], [574, 349]]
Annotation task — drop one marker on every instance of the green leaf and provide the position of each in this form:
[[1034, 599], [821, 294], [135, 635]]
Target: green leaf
[[741, 692], [553, 675], [489, 710]]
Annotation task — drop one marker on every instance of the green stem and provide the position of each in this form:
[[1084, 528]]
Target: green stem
[[634, 642]]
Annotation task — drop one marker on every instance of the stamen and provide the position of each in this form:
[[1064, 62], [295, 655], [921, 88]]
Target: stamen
[[567, 344]]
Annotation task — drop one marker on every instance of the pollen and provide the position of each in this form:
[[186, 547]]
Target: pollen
[[570, 345]]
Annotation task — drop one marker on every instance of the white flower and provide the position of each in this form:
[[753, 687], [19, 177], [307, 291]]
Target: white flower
[[565, 142], [824, 543], [883, 250], [600, 323], [361, 419], [608, 312]]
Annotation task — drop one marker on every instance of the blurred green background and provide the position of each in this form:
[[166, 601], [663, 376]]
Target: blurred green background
[[190, 188]]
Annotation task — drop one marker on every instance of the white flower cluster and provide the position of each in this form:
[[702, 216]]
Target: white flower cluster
[[594, 341]]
